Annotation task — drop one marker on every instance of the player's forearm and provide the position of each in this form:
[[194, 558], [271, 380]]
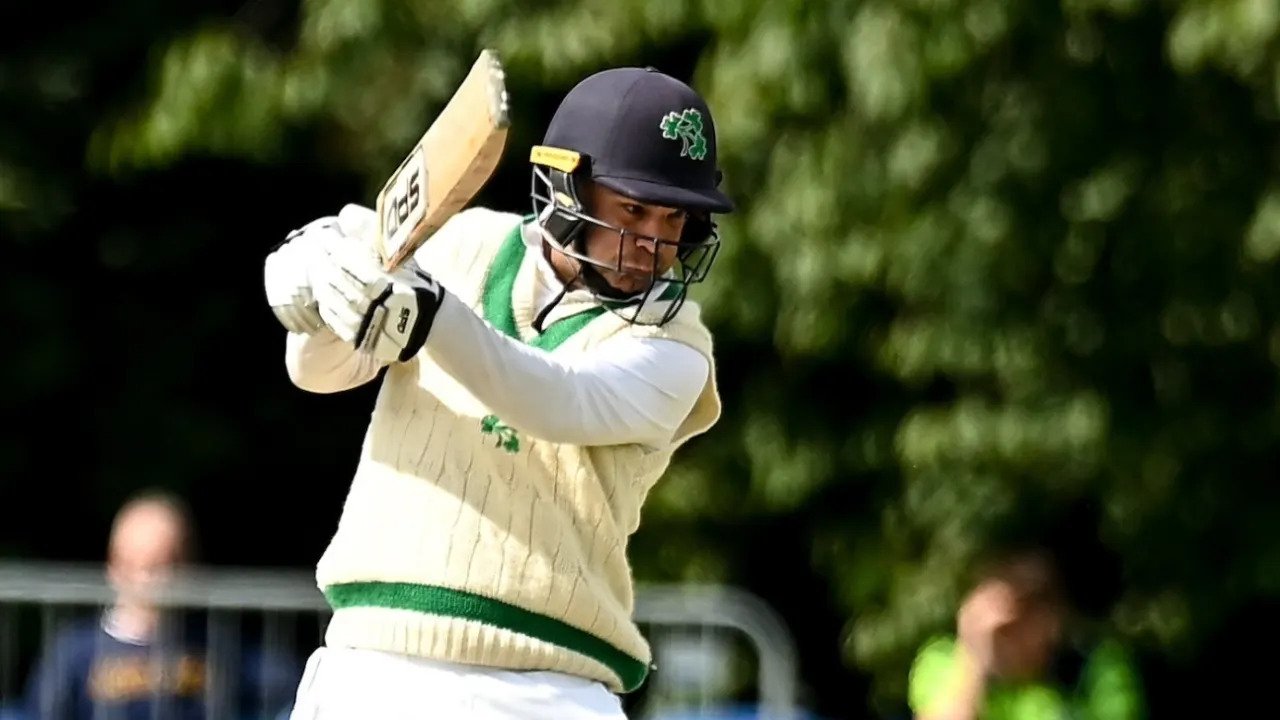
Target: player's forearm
[[324, 363], [545, 397]]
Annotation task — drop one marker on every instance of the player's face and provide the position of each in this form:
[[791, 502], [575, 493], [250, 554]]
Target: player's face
[[647, 247]]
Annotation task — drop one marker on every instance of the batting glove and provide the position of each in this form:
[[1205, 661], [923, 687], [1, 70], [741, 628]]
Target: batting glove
[[386, 315], [287, 275]]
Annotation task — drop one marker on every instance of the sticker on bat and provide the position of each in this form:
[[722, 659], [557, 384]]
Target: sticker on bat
[[405, 203]]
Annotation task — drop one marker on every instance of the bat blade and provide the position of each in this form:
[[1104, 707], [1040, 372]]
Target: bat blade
[[449, 164]]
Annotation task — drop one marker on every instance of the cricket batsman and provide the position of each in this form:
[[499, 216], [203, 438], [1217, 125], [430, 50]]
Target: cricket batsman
[[538, 373]]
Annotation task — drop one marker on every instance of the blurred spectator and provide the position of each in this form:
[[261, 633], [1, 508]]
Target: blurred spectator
[[139, 661], [1018, 653]]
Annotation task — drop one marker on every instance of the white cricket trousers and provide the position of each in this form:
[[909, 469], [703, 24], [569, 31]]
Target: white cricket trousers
[[347, 684]]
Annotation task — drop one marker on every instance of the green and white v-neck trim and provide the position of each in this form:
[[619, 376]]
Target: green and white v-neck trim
[[508, 297], [519, 281]]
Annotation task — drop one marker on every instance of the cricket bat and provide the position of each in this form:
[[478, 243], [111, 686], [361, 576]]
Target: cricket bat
[[449, 164]]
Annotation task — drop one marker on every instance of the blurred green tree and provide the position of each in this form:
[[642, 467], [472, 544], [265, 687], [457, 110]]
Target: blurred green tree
[[1037, 242]]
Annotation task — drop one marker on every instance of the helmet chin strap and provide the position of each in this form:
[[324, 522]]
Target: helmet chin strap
[[544, 312], [549, 246]]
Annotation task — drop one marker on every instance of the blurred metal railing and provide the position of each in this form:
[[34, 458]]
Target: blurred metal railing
[[699, 633]]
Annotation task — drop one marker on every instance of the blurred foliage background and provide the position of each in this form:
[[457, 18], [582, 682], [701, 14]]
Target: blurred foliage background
[[1036, 242]]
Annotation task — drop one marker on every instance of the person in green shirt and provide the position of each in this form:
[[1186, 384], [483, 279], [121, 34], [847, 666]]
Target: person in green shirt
[[1016, 655]]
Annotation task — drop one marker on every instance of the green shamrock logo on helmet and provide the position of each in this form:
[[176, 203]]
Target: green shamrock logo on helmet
[[686, 127]]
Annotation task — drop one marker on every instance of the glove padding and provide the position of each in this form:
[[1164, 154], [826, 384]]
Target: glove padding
[[386, 315], [287, 275]]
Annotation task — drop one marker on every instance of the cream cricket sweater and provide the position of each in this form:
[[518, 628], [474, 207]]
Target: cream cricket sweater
[[463, 539]]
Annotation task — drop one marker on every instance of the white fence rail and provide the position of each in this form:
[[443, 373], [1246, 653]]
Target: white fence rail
[[710, 642]]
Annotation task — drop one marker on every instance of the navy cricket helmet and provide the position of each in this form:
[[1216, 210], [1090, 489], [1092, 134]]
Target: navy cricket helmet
[[650, 137]]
